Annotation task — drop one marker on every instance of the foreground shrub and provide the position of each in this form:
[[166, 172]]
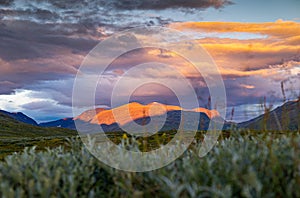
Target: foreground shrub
[[237, 166]]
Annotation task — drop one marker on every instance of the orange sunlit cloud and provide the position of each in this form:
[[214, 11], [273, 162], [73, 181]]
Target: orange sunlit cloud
[[247, 86], [279, 28], [278, 44]]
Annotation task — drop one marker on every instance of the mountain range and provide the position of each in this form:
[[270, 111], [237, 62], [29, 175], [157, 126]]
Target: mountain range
[[285, 117], [134, 114]]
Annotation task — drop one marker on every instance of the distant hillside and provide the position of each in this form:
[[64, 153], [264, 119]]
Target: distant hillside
[[283, 118], [20, 117], [10, 127], [62, 123]]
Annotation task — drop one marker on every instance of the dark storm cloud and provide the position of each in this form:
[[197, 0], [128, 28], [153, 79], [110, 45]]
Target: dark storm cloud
[[6, 87], [31, 52], [143, 4], [25, 40], [38, 105], [6, 2], [167, 4], [123, 4], [112, 12]]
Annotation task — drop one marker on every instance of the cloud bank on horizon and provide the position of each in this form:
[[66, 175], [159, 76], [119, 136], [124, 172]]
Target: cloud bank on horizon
[[42, 44]]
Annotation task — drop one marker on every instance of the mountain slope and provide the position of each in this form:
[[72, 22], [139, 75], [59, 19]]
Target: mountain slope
[[88, 115], [20, 117], [283, 118], [132, 111], [10, 127]]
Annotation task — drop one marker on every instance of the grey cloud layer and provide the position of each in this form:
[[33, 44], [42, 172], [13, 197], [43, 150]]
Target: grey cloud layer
[[167, 4], [32, 52], [97, 12], [26, 40]]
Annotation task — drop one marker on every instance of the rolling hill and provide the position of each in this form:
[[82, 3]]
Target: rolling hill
[[20, 117], [10, 127], [283, 118], [61, 123]]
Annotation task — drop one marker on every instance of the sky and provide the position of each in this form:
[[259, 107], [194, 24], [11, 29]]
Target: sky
[[255, 44]]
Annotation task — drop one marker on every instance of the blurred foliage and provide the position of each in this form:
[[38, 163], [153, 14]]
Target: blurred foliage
[[240, 165], [15, 136]]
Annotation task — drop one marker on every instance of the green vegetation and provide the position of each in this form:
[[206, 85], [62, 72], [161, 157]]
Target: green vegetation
[[10, 128], [155, 141], [282, 118], [260, 165], [15, 136], [9, 146]]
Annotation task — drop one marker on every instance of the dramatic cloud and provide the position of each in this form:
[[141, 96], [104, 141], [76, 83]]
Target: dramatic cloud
[[249, 56], [279, 49], [43, 42]]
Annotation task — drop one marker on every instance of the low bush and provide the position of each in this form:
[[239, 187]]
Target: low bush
[[238, 166]]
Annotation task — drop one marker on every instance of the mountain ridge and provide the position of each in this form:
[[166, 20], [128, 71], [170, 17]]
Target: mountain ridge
[[284, 117], [20, 117], [127, 114]]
